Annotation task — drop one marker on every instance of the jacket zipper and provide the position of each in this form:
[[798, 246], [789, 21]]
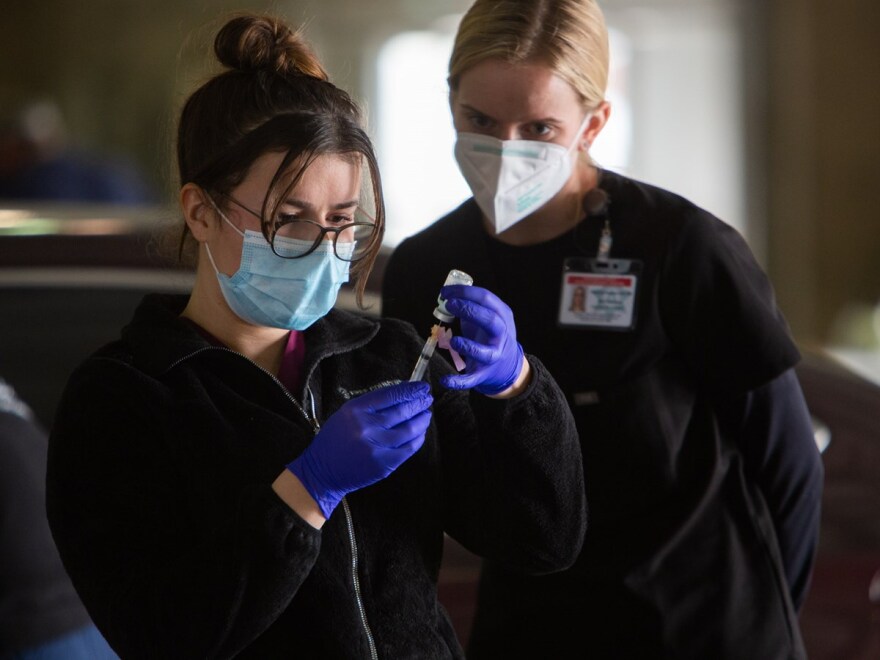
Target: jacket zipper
[[349, 524], [374, 654], [356, 582]]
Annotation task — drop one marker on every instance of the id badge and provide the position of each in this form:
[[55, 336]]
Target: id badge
[[599, 293]]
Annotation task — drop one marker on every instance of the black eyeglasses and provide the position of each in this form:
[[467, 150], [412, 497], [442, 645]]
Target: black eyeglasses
[[292, 238]]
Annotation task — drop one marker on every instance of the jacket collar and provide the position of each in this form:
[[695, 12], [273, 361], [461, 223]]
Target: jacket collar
[[158, 338]]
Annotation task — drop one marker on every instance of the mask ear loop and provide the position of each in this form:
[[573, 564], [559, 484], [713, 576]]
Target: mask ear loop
[[211, 259], [228, 222], [577, 134], [223, 215]]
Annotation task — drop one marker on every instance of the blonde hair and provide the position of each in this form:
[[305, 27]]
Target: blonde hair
[[569, 36]]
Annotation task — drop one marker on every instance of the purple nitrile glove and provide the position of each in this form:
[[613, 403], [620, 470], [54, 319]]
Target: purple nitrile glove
[[493, 358], [364, 441]]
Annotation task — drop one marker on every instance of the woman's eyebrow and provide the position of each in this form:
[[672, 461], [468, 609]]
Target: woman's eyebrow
[[553, 121], [302, 204], [471, 108]]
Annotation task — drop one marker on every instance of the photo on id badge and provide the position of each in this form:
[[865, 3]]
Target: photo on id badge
[[599, 293]]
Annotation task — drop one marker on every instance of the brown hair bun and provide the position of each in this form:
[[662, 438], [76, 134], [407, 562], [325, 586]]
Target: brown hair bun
[[253, 43]]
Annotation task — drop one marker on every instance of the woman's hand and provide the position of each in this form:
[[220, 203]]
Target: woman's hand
[[494, 362], [364, 441]]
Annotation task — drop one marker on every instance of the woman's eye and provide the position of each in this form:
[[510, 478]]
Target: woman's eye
[[286, 222], [541, 130], [341, 219], [480, 121]]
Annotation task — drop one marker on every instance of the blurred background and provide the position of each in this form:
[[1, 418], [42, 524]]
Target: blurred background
[[765, 112]]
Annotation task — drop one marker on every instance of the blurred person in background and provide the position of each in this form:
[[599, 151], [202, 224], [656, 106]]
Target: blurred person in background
[[702, 475], [41, 616], [39, 163]]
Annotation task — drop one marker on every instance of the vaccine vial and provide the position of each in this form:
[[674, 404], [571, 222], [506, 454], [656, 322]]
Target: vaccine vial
[[455, 276], [445, 319]]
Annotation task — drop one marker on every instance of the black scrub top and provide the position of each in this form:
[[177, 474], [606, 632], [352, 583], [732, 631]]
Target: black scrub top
[[673, 521], [706, 327]]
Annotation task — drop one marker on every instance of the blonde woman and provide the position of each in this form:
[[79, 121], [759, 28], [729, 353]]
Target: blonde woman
[[702, 477]]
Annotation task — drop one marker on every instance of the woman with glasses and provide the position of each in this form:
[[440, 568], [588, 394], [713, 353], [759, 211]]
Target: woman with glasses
[[701, 470], [247, 471]]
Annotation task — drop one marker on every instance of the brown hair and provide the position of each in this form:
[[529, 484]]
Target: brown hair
[[274, 96], [569, 36]]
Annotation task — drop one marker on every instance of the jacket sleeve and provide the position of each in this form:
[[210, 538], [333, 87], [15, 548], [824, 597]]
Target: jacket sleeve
[[512, 471], [513, 475], [158, 581], [720, 311], [779, 449], [719, 308]]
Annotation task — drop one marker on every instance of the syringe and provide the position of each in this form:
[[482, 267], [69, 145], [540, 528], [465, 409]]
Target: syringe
[[425, 355], [444, 319]]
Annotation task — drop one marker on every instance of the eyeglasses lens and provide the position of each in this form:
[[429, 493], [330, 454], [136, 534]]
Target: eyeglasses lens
[[300, 237]]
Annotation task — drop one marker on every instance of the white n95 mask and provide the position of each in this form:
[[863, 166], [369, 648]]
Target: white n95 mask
[[511, 179]]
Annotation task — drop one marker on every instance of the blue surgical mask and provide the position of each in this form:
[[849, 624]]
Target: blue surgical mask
[[267, 290]]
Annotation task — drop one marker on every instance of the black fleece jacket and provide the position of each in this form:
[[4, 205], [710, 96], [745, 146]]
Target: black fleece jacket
[[159, 496]]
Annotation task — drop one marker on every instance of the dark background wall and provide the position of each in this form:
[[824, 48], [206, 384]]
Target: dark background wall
[[822, 154], [119, 69]]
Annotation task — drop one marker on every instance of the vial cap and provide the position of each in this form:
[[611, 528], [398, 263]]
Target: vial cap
[[455, 276]]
